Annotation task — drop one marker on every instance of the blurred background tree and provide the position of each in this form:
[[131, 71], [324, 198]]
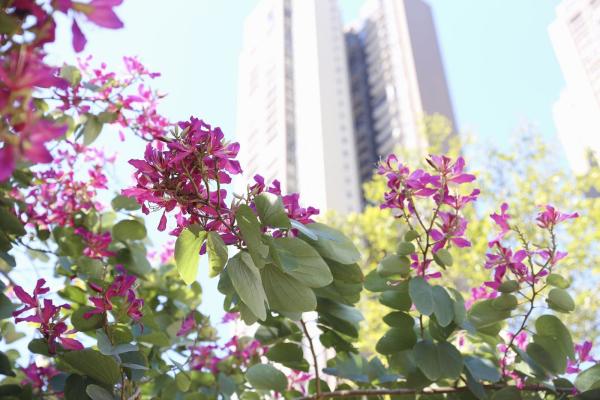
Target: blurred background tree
[[526, 175]]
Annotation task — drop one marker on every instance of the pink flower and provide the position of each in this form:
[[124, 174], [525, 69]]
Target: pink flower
[[452, 229], [582, 354], [503, 261], [47, 315], [122, 286], [452, 172], [230, 317], [188, 324], [551, 216], [502, 221], [479, 293], [96, 244], [38, 377]]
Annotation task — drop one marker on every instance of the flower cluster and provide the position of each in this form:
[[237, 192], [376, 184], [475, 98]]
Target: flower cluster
[[441, 184], [52, 325], [582, 354], [29, 26], [122, 287], [38, 377], [236, 353], [290, 201], [186, 174]]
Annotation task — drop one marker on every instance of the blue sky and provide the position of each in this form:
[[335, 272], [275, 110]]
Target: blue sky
[[499, 63]]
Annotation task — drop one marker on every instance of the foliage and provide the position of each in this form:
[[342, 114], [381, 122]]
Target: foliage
[[124, 322]]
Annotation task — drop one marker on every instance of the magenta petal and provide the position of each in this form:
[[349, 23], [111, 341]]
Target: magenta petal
[[71, 344], [79, 39], [7, 162], [460, 242]]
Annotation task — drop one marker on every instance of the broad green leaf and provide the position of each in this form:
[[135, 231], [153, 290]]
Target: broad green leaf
[[121, 202], [6, 307], [421, 295], [5, 365], [288, 354], [588, 379], [9, 223], [560, 300], [509, 286], [485, 317], [505, 302], [552, 326], [399, 319], [437, 361], [397, 339], [375, 283], [303, 229], [443, 258], [134, 259], [286, 293], [71, 74], [443, 306], [217, 254], [396, 299], [250, 229], [507, 393], [301, 261], [266, 377], [411, 235], [271, 211], [247, 282], [553, 362], [98, 393], [75, 386], [85, 324], [187, 254], [393, 265], [183, 381], [406, 248], [91, 129], [333, 244], [108, 349], [482, 369], [129, 229], [558, 281], [94, 364]]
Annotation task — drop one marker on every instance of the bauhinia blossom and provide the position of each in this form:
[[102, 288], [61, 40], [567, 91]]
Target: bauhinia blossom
[[52, 325]]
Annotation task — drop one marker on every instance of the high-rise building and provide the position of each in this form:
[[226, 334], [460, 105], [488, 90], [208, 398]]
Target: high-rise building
[[294, 116], [397, 77], [575, 35]]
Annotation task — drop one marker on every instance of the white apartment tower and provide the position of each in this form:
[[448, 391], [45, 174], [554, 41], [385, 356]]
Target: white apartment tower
[[575, 35], [294, 115]]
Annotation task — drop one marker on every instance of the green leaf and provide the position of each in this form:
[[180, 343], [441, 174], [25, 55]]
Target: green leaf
[[85, 324], [91, 129], [286, 293], [443, 306], [134, 259], [246, 280], [187, 254], [375, 283], [333, 244], [509, 286], [301, 261], [560, 300], [250, 229], [266, 377], [217, 254], [5, 365], [437, 361], [505, 302], [411, 235], [121, 202], [9, 223], [558, 281], [443, 258], [421, 294], [399, 319], [71, 74], [129, 229], [588, 379], [396, 299], [397, 339], [183, 382], [303, 229], [271, 211], [288, 354], [75, 388], [98, 393], [94, 364], [406, 248], [552, 326], [6, 307], [107, 348], [552, 344], [482, 369], [393, 265], [484, 316]]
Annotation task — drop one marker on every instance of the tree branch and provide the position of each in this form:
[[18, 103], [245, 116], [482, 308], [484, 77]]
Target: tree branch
[[315, 362]]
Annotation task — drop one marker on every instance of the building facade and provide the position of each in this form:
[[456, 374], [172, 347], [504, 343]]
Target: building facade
[[575, 36], [397, 77], [294, 116]]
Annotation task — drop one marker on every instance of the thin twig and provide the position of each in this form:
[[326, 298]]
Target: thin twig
[[315, 362]]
